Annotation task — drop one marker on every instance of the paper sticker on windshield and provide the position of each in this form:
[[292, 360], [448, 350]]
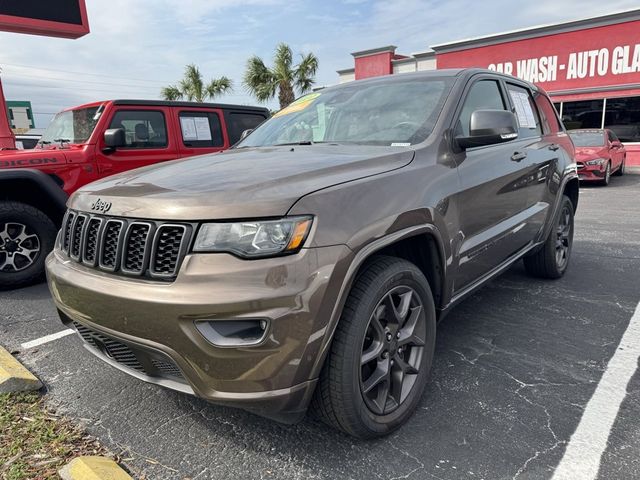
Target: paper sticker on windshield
[[298, 105]]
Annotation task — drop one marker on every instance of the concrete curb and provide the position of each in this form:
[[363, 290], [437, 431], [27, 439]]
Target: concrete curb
[[93, 468], [634, 170], [14, 377]]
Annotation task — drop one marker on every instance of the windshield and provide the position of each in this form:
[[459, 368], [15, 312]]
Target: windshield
[[392, 113], [73, 126], [587, 139]]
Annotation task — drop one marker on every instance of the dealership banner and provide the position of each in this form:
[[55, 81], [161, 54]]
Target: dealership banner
[[591, 58]]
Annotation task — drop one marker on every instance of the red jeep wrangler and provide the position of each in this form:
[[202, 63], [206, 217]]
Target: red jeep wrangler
[[93, 141]]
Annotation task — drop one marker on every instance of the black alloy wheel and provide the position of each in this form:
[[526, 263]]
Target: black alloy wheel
[[382, 351], [551, 260], [564, 236], [392, 350]]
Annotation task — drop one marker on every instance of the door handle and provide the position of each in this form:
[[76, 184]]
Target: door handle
[[554, 147], [518, 156]]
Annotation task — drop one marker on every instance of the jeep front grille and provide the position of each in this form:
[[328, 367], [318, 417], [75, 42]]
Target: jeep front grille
[[130, 247]]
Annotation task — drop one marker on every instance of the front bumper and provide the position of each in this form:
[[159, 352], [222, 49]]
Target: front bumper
[[147, 328], [589, 173]]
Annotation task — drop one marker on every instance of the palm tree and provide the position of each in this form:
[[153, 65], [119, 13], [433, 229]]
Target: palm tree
[[193, 88], [283, 78]]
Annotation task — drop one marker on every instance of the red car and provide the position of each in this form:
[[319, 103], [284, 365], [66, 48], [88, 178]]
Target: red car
[[599, 154]]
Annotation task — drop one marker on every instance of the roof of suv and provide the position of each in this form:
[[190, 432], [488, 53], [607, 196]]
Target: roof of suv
[[166, 103], [445, 72]]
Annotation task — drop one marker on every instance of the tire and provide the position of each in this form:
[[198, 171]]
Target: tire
[[607, 176], [27, 235], [340, 398], [620, 171], [552, 260]]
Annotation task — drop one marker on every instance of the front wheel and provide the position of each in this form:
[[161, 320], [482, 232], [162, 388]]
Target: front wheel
[[27, 235], [607, 176], [552, 260], [382, 351], [620, 171]]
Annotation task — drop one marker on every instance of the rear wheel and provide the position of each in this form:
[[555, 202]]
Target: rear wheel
[[382, 351], [552, 260], [26, 237]]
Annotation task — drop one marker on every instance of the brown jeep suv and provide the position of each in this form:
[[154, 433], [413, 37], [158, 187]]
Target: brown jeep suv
[[310, 264]]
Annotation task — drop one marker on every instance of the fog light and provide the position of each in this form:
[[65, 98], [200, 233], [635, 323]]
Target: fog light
[[233, 333]]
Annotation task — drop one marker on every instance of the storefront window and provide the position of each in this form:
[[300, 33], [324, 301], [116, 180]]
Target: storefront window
[[584, 114], [623, 118]]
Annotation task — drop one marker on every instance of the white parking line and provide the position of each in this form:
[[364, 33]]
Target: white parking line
[[582, 456], [47, 338]]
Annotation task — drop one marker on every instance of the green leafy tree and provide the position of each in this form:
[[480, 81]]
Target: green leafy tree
[[283, 78], [193, 88]]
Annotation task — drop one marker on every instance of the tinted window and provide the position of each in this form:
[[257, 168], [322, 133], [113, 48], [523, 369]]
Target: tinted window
[[587, 139], [238, 122], [484, 95], [583, 114], [548, 115], [201, 129], [526, 111], [142, 128], [623, 118]]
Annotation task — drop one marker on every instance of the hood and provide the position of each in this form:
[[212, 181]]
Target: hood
[[30, 158], [240, 183], [589, 153]]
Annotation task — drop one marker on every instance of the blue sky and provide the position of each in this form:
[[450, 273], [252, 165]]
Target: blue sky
[[136, 47]]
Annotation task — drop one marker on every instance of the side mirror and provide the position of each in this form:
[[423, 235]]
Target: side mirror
[[616, 144], [114, 137], [246, 133], [488, 127]]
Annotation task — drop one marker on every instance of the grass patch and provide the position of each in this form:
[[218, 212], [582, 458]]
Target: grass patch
[[35, 442]]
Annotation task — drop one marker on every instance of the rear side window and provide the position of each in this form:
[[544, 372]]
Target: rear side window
[[238, 122], [548, 115], [201, 129], [525, 110], [142, 128], [484, 95]]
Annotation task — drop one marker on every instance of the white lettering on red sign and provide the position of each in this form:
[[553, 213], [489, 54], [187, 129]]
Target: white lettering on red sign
[[585, 64]]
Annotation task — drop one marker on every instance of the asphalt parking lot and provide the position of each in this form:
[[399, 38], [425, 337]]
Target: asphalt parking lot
[[515, 367]]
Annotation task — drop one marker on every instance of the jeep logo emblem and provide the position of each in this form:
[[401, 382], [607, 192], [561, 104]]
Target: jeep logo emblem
[[101, 206]]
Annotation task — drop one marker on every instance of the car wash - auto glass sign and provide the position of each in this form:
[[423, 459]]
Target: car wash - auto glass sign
[[58, 18], [589, 58]]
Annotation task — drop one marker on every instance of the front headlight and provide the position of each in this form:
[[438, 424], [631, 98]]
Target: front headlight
[[596, 161], [254, 239]]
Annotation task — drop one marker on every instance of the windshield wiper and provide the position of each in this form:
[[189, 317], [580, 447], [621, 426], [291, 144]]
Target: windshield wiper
[[303, 142]]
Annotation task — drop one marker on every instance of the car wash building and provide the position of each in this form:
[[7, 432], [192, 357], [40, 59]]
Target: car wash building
[[589, 67]]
